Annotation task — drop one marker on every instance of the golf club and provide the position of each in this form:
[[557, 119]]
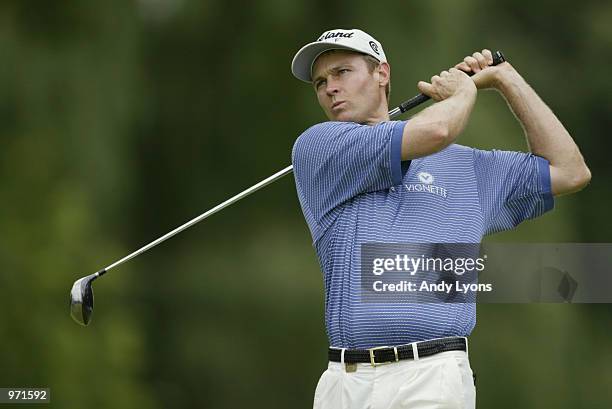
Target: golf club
[[81, 294]]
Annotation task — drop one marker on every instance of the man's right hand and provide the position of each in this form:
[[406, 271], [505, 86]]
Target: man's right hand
[[447, 84], [438, 125]]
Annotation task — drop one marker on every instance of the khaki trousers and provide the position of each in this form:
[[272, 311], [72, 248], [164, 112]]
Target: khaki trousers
[[441, 381]]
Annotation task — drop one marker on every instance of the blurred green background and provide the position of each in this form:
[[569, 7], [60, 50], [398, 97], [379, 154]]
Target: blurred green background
[[120, 120]]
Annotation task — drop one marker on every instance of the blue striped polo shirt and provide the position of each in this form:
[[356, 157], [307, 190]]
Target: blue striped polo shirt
[[354, 189]]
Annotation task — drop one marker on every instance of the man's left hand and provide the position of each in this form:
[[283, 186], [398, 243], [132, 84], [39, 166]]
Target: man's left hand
[[485, 75]]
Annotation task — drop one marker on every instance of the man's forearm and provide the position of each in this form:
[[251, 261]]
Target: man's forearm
[[546, 135], [437, 126], [454, 112]]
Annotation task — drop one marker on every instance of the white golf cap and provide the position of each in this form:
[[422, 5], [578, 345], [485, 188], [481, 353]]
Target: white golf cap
[[337, 39]]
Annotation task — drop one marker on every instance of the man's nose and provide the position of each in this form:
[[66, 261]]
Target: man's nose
[[332, 87]]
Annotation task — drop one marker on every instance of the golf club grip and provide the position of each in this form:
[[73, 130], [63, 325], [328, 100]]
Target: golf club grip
[[498, 58]]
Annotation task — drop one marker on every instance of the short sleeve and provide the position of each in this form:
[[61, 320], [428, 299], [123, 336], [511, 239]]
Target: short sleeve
[[512, 187], [336, 161]]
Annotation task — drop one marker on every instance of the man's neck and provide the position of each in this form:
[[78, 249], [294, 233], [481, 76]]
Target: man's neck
[[379, 116]]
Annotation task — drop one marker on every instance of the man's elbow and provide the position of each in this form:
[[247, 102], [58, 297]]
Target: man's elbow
[[582, 177], [579, 179]]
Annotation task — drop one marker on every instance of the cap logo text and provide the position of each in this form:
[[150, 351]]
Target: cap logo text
[[336, 34]]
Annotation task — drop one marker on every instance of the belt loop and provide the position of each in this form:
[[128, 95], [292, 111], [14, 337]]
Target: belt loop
[[466, 347], [415, 351], [342, 356]]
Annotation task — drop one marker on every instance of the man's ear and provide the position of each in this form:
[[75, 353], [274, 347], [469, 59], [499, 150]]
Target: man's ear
[[384, 74]]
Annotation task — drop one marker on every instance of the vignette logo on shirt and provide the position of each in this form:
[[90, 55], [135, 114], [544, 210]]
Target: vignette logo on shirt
[[426, 185]]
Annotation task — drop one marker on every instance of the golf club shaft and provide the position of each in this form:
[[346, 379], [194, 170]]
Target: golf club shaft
[[498, 58]]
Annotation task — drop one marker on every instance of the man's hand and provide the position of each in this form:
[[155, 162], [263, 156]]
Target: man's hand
[[438, 125], [485, 74], [447, 84]]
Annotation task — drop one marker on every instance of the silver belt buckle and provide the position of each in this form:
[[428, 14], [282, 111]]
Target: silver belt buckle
[[372, 357]]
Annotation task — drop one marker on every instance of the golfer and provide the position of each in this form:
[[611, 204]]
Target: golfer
[[362, 178]]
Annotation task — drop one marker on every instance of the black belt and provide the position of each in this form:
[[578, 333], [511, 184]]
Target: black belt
[[381, 355]]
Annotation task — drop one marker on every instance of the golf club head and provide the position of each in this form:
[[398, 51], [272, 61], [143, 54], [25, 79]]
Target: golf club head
[[82, 299]]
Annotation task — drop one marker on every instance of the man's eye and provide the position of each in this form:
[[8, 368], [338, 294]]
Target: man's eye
[[318, 84], [342, 71]]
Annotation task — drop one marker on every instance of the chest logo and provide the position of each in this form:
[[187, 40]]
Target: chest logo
[[426, 185], [425, 177]]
